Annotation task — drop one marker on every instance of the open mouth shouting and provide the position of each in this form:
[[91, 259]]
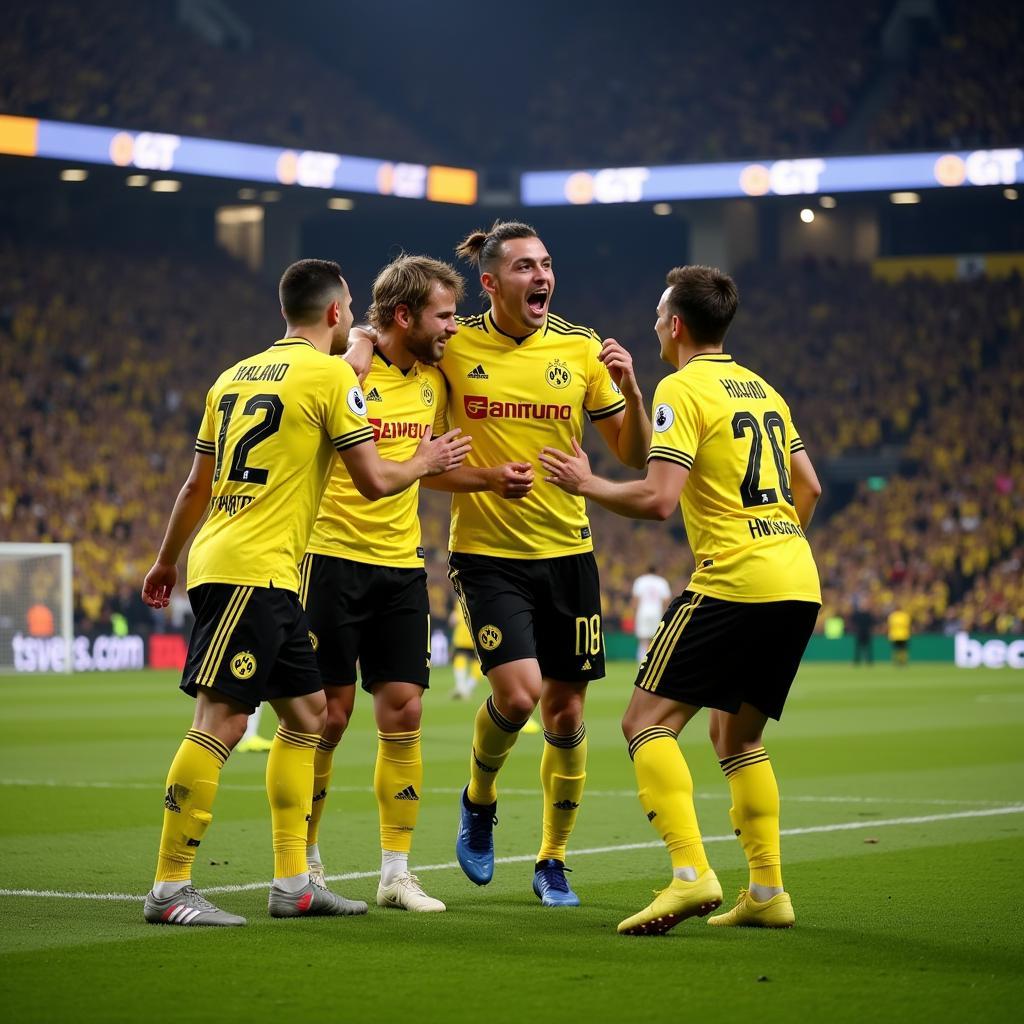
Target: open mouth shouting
[[537, 302]]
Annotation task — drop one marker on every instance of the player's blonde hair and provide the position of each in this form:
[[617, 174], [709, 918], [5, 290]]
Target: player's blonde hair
[[408, 281]]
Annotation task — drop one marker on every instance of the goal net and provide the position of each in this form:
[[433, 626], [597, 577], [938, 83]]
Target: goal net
[[36, 607]]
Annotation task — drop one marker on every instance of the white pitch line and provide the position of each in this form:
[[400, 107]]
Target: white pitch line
[[449, 791], [842, 826]]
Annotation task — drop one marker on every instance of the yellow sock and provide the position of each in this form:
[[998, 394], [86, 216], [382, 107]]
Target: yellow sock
[[666, 795], [563, 773], [755, 814], [191, 788], [494, 735], [397, 781], [290, 791], [323, 763]]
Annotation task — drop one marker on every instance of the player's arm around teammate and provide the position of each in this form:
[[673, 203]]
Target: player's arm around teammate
[[725, 445], [272, 425]]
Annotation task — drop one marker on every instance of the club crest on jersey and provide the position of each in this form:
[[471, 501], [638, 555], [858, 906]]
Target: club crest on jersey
[[489, 637], [243, 664], [664, 417], [356, 402], [558, 374], [426, 393]]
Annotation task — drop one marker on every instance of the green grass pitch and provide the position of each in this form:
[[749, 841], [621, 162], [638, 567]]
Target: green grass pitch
[[902, 794]]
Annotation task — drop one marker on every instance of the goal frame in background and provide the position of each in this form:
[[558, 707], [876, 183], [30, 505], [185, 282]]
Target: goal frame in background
[[65, 614]]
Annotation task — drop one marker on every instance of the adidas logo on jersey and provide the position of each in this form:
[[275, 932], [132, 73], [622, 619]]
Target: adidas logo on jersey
[[407, 794], [478, 373], [587, 665], [374, 396]]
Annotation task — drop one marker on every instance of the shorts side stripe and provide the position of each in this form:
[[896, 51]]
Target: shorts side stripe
[[453, 575], [214, 656], [653, 677], [224, 617], [654, 651], [305, 573]]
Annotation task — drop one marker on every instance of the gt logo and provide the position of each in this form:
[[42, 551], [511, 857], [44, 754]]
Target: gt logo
[[243, 664], [489, 637]]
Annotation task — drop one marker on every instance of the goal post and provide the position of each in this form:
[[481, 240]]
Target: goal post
[[36, 604]]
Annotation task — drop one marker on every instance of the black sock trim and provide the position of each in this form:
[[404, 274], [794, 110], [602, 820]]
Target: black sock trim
[[503, 723], [209, 743], [731, 765], [654, 732], [566, 742]]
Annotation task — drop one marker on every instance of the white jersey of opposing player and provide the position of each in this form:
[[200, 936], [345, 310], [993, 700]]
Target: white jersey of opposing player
[[652, 594]]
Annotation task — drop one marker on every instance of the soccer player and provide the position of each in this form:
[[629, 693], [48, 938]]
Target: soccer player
[[524, 570], [651, 593], [267, 441], [725, 448], [898, 626], [363, 582]]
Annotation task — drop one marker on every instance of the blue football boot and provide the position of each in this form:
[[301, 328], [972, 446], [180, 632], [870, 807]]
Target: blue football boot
[[474, 845], [551, 886]]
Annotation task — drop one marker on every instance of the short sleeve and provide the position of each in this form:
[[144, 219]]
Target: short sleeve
[[441, 409], [345, 408], [206, 443], [677, 425], [795, 444], [603, 398]]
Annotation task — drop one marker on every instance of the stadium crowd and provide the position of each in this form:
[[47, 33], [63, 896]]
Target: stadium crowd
[[775, 93], [106, 390]]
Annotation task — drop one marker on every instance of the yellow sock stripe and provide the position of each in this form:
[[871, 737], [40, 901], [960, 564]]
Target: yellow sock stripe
[[731, 765], [654, 732], [297, 739], [566, 742], [210, 743], [325, 745], [228, 621], [503, 723], [656, 667], [305, 572], [400, 739]]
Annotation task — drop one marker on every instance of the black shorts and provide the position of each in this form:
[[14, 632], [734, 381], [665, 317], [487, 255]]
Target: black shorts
[[721, 654], [250, 643], [544, 608], [373, 614]]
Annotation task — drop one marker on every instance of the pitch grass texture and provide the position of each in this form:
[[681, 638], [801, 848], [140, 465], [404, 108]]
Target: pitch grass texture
[[904, 788]]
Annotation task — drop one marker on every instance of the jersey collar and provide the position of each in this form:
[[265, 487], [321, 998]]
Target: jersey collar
[[710, 357], [284, 342], [391, 366], [495, 329]]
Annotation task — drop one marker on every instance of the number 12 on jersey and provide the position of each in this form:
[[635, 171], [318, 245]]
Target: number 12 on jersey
[[273, 409]]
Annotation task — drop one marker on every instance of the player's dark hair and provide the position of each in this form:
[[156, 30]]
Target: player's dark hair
[[307, 288], [484, 248], [705, 300], [408, 281]]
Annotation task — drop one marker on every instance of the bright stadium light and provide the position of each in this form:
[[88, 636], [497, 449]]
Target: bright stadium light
[[1010, 193], [339, 203], [240, 215], [137, 180], [904, 198], [827, 202], [74, 174], [662, 209], [166, 185], [807, 215]]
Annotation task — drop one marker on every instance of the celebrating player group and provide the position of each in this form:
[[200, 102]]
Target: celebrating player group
[[307, 575]]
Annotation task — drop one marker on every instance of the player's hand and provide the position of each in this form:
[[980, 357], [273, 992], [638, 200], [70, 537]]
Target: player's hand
[[620, 368], [159, 582], [359, 354], [441, 454], [570, 472], [512, 480]]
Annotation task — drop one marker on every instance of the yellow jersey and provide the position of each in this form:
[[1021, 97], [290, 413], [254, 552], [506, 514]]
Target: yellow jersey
[[514, 396], [402, 409], [272, 422], [899, 626], [735, 435]]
